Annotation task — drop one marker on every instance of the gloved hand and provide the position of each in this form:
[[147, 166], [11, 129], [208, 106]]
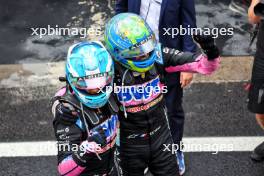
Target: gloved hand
[[64, 112], [99, 137], [89, 148], [207, 43], [86, 152], [95, 144]]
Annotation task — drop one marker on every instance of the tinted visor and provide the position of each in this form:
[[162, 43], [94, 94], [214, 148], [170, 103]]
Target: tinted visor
[[93, 82], [140, 50]]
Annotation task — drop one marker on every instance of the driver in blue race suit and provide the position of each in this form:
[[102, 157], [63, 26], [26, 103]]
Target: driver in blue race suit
[[140, 67], [85, 119]]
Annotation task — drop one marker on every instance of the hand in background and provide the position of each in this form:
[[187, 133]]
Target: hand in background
[[252, 18], [185, 79]]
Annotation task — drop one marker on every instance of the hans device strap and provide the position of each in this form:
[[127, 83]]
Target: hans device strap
[[112, 105]]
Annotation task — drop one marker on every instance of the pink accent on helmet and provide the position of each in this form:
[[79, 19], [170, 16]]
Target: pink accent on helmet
[[69, 166], [61, 92], [202, 65]]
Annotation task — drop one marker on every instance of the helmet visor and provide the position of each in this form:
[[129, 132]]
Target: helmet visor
[[93, 82], [140, 50]]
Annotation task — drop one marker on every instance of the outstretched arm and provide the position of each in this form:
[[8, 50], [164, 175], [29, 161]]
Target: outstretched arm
[[204, 63]]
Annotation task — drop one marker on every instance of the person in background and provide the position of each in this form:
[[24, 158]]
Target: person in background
[[162, 15], [256, 92]]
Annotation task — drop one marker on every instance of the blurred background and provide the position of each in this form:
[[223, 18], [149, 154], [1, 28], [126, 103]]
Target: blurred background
[[17, 17]]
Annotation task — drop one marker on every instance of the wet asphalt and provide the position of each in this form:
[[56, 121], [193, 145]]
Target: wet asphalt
[[17, 45], [212, 110]]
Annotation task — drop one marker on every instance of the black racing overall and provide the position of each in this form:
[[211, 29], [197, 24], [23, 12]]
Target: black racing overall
[[144, 127], [101, 124], [256, 93]]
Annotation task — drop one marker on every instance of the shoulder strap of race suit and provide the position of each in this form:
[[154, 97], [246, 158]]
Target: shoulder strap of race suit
[[112, 105], [160, 70]]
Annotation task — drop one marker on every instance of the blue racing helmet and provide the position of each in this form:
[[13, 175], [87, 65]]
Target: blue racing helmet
[[89, 67], [131, 42]]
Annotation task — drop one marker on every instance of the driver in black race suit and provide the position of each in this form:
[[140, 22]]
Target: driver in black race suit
[[140, 66], [85, 120]]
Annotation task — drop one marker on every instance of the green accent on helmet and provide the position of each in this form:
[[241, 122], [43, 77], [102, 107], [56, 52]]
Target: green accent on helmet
[[127, 37]]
